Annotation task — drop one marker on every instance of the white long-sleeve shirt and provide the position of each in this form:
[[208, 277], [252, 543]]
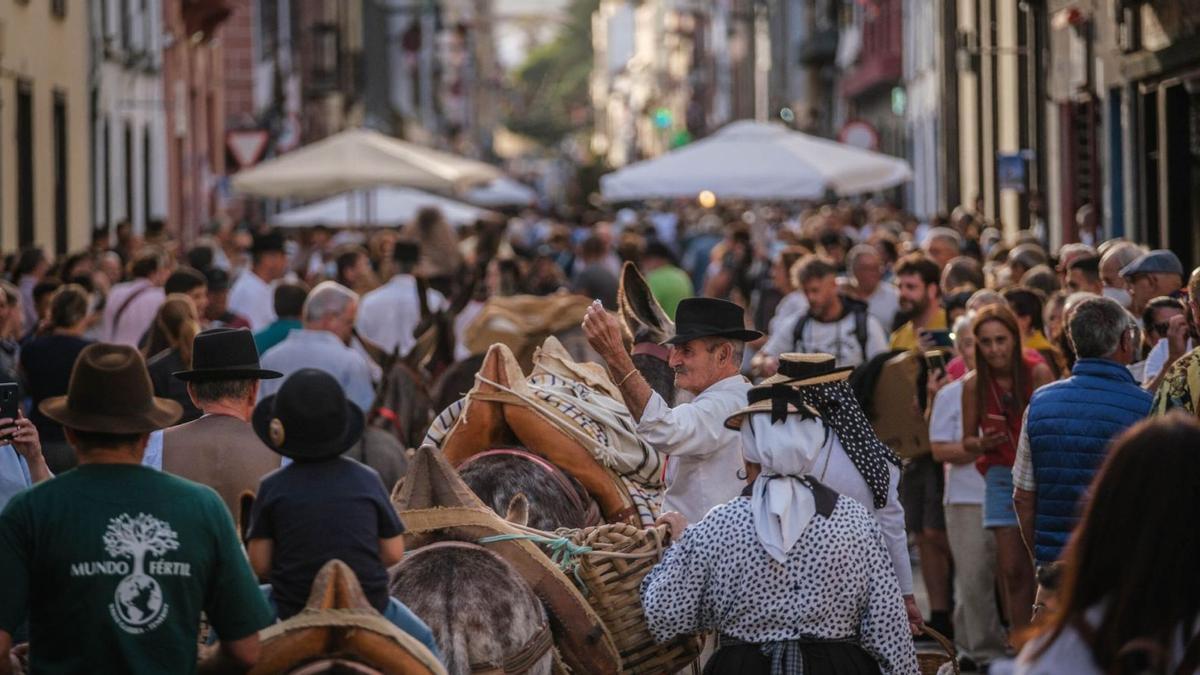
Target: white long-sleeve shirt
[[835, 469], [388, 314], [254, 299], [704, 456], [137, 302], [793, 305]]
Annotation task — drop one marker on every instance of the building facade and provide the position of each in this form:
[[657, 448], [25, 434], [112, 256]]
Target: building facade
[[670, 71], [44, 147], [434, 76], [871, 57], [1002, 135], [128, 118], [193, 94], [1124, 90], [931, 100]]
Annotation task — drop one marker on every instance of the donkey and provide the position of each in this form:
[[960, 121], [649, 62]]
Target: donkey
[[482, 613], [456, 381], [555, 499], [648, 326], [403, 403]]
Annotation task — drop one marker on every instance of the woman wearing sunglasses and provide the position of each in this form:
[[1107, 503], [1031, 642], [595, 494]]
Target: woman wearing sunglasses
[[995, 395]]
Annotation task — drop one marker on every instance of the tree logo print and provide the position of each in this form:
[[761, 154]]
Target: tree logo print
[[138, 601]]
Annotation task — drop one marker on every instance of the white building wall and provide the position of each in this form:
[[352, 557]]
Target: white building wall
[[129, 94], [923, 111]]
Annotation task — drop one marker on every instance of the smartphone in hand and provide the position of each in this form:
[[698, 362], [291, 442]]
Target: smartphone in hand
[[10, 395], [935, 360]]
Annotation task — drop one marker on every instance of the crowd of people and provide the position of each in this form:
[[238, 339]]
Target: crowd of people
[[1046, 505]]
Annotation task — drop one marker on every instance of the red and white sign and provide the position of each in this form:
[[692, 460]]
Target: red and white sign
[[247, 146], [859, 134]]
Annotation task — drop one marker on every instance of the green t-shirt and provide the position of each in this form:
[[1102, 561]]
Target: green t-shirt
[[669, 284], [112, 564]]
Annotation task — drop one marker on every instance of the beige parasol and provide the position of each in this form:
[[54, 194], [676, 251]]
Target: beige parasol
[[359, 159]]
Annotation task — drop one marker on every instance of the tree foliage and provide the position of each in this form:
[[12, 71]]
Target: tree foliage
[[553, 81]]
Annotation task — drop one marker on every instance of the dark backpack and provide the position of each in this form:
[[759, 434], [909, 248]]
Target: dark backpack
[[860, 326]]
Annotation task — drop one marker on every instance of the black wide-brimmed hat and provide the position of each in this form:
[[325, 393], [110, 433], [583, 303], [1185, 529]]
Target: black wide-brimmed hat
[[110, 392], [309, 419], [225, 354], [710, 317]]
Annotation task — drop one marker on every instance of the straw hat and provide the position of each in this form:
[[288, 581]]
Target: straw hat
[[800, 370], [778, 399]]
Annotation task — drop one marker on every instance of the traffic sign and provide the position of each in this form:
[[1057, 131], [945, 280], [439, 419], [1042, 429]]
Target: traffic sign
[[860, 134], [247, 146]]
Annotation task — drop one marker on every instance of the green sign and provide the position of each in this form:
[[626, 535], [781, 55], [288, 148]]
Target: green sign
[[899, 100]]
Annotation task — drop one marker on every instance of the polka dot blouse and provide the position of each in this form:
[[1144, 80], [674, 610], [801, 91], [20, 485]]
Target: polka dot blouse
[[837, 583]]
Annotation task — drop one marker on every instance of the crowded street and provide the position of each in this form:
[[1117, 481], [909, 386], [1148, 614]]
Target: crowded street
[[600, 336]]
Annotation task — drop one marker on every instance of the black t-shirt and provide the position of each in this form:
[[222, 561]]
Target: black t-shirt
[[160, 367], [47, 362], [315, 512]]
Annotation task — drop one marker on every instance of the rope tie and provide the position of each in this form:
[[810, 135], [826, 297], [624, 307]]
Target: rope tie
[[563, 551]]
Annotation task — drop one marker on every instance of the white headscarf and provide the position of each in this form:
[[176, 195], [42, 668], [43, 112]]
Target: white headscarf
[[782, 507]]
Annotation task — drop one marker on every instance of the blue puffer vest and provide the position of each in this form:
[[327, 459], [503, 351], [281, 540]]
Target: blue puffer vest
[[1070, 424]]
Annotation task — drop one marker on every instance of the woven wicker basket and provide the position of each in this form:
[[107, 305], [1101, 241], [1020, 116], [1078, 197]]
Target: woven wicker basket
[[931, 661], [612, 576]]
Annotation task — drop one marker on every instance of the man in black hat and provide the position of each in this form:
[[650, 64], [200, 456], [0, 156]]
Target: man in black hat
[[252, 295], [389, 313], [217, 311], [706, 355], [112, 563], [220, 449]]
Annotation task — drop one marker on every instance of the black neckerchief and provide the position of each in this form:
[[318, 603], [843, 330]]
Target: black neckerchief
[[824, 496], [841, 412]]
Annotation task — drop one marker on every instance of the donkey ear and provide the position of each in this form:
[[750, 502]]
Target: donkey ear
[[639, 311], [518, 510], [423, 348]]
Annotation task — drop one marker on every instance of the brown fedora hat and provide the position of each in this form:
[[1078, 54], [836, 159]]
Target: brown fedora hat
[[110, 392]]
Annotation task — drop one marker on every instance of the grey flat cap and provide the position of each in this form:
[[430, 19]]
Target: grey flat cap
[[1158, 261]]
